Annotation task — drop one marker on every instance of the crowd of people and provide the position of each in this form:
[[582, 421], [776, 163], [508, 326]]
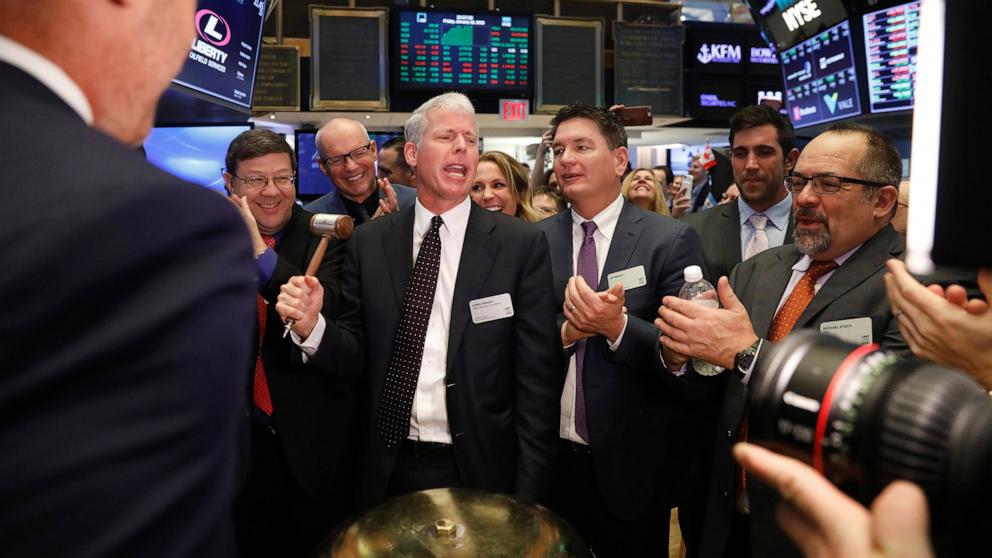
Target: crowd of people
[[177, 385]]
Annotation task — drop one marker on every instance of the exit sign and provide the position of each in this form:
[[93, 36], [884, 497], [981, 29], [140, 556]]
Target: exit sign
[[514, 110]]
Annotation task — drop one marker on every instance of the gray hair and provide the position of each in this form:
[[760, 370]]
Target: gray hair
[[416, 126]]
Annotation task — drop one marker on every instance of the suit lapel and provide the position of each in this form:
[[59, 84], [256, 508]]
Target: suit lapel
[[478, 254], [560, 242], [397, 248], [625, 237], [729, 236], [856, 270], [770, 283]]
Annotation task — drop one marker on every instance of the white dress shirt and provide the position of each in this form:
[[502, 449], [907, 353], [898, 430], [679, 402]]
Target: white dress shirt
[[45, 71], [606, 224]]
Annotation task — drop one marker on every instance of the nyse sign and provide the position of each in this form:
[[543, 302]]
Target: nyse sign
[[800, 13]]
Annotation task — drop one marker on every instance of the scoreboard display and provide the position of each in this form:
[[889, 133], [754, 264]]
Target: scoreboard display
[[463, 51], [891, 37], [820, 77]]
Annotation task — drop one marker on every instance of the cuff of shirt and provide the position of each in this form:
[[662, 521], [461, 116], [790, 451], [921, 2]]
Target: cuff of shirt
[[678, 371], [312, 343], [746, 374], [616, 344]]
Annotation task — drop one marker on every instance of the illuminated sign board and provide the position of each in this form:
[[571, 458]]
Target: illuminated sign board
[[891, 37], [820, 78]]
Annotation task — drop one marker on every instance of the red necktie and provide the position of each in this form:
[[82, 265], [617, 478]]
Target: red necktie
[[798, 300], [262, 398]]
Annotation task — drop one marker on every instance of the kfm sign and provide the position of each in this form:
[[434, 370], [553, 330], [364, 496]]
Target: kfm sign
[[719, 53]]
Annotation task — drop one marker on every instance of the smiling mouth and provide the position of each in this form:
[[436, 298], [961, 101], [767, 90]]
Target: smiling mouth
[[493, 208], [457, 171], [272, 205], [355, 178]]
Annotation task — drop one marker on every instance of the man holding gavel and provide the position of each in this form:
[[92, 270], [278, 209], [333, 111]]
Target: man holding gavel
[[302, 422]]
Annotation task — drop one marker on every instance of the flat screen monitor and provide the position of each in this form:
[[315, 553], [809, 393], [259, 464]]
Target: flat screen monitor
[[311, 181], [465, 51], [193, 153], [224, 55], [891, 36], [820, 78], [787, 22]]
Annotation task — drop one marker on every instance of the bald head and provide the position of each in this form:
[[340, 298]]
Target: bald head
[[122, 55], [347, 157]]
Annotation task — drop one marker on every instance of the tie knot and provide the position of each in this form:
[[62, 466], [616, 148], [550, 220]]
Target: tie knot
[[436, 222], [758, 221], [269, 240], [589, 227], [819, 268]]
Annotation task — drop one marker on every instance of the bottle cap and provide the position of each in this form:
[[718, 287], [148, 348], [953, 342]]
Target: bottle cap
[[692, 274]]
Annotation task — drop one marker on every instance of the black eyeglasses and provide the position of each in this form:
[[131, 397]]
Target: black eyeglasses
[[256, 182], [354, 155], [824, 183]]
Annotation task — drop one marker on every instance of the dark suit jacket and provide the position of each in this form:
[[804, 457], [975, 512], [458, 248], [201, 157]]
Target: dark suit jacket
[[504, 376], [315, 413], [331, 202], [128, 304], [719, 232], [633, 405], [855, 290]]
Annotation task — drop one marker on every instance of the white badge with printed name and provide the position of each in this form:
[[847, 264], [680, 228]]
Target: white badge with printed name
[[491, 308], [855, 330], [631, 278]]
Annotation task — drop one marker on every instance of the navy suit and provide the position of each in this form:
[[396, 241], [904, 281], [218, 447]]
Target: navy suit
[[503, 376], [634, 406], [126, 330], [331, 202]]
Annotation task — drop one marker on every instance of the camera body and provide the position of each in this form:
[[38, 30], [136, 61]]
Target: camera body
[[864, 417]]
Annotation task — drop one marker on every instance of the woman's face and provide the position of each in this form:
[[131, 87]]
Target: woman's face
[[492, 191], [642, 186]]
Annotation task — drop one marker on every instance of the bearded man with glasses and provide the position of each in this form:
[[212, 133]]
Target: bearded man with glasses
[[843, 196], [347, 156], [303, 422]]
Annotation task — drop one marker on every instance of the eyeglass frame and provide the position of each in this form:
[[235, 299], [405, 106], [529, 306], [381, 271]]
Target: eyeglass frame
[[842, 179], [349, 155], [244, 179]]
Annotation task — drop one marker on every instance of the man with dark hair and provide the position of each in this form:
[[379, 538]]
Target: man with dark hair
[[843, 195], [303, 420], [620, 409], [127, 303], [392, 163], [347, 156], [762, 152], [448, 310]]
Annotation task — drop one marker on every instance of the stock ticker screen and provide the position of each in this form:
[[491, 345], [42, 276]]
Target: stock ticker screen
[[821, 81], [891, 37], [467, 52]]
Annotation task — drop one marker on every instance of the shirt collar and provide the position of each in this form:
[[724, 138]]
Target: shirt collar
[[455, 219], [606, 220], [778, 214], [49, 74], [806, 261]]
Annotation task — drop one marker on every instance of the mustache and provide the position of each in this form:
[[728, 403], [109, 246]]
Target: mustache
[[809, 213]]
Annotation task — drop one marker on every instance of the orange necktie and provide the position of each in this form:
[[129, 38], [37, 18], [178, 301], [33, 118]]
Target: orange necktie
[[798, 300], [262, 398]]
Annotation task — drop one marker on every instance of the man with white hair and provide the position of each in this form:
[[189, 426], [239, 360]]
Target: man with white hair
[[450, 310], [128, 310]]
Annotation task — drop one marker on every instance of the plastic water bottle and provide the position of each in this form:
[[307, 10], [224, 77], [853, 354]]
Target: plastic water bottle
[[700, 291]]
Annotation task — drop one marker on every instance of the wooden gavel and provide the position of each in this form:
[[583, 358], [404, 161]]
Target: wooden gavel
[[327, 226]]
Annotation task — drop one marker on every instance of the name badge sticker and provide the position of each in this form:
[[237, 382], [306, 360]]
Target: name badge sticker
[[491, 308], [855, 330], [631, 278]]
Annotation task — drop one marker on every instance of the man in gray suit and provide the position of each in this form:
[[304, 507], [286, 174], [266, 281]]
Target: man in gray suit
[[844, 195], [348, 157], [762, 152]]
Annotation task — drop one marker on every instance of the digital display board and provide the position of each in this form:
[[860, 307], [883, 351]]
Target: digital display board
[[820, 78], [193, 153], [463, 51], [786, 22], [891, 37], [224, 55]]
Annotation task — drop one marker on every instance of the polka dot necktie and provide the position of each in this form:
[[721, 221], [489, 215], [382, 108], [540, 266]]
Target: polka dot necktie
[[263, 400], [759, 240], [393, 421], [798, 300]]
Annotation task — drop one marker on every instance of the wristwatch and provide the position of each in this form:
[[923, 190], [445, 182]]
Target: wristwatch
[[744, 359]]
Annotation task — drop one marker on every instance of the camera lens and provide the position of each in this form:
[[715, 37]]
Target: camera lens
[[864, 417]]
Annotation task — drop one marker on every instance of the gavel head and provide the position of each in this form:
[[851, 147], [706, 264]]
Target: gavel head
[[333, 226]]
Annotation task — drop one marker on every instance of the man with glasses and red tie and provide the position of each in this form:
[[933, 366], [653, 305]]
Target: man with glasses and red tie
[[348, 158], [302, 420], [844, 195]]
